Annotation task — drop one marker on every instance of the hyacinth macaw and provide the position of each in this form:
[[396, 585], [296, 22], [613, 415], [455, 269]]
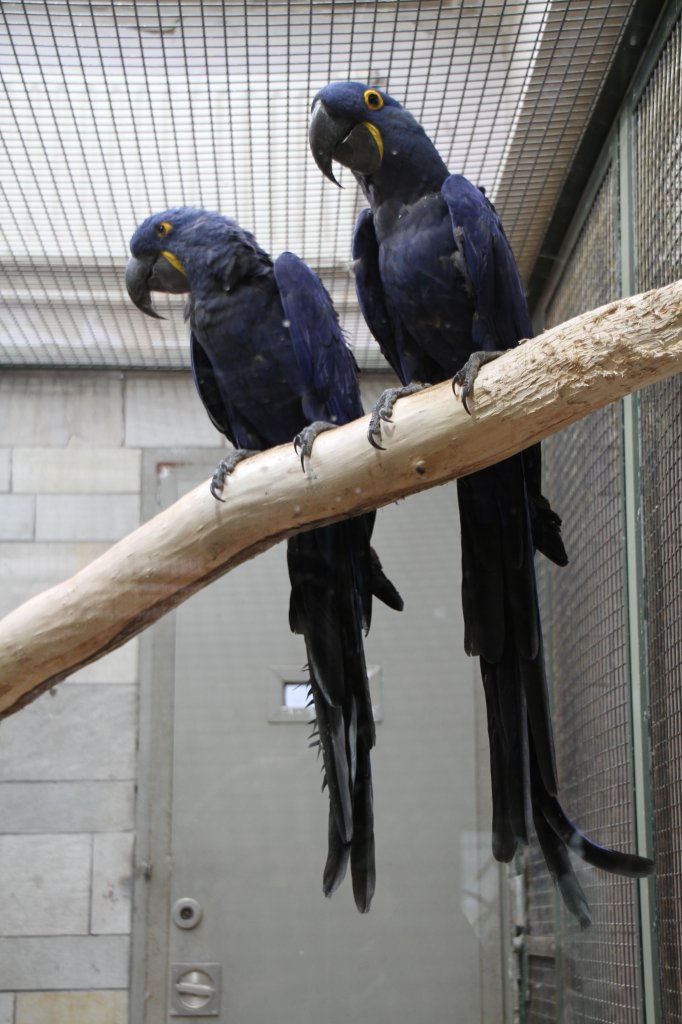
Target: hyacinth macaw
[[441, 293], [270, 364]]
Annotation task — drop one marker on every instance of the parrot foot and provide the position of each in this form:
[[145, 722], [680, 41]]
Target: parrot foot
[[383, 410], [464, 378], [303, 442], [225, 467]]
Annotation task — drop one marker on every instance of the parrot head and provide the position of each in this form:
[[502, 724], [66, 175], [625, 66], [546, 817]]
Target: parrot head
[[345, 125], [369, 132], [187, 249], [155, 263]]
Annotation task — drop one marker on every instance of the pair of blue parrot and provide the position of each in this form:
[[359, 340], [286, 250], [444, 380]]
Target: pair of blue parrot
[[440, 291]]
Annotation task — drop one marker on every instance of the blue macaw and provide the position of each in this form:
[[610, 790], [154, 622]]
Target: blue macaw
[[440, 291], [270, 364]]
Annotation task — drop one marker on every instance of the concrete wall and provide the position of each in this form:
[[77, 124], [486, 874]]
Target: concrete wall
[[71, 446], [70, 481]]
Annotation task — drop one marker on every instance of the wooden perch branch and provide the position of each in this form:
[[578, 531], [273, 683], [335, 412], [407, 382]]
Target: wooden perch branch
[[536, 390]]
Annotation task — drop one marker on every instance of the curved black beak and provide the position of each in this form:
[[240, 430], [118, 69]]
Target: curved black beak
[[348, 142], [153, 274]]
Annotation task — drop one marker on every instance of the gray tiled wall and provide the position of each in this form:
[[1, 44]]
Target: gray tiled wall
[[70, 485]]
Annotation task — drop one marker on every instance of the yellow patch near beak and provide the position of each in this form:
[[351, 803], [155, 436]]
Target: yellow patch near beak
[[173, 260], [376, 135]]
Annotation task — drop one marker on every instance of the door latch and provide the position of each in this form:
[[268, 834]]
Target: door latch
[[195, 990]]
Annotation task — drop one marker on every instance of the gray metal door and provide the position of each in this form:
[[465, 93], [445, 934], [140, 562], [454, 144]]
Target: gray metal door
[[235, 927]]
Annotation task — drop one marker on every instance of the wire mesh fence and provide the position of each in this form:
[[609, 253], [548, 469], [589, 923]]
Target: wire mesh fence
[[585, 609], [110, 111], [589, 666], [658, 153], [585, 605]]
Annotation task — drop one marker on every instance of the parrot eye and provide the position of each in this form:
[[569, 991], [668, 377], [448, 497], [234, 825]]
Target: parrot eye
[[373, 99], [163, 228]]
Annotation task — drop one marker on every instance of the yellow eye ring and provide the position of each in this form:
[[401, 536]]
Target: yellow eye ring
[[373, 99], [163, 229]]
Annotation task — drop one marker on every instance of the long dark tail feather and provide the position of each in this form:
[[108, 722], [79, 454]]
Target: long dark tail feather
[[556, 833], [363, 869], [501, 526], [560, 868], [546, 527], [334, 574], [382, 586], [504, 841], [544, 522], [614, 861], [504, 703], [539, 717], [332, 736], [338, 854]]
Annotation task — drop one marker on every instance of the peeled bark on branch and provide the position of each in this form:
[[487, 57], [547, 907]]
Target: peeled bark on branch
[[535, 390]]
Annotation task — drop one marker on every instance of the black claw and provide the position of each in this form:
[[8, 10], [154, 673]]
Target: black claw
[[466, 391], [224, 469], [299, 448], [465, 377], [304, 441], [217, 489], [383, 410]]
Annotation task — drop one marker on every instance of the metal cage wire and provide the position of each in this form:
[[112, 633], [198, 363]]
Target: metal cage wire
[[110, 111], [657, 131], [584, 606], [597, 974]]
